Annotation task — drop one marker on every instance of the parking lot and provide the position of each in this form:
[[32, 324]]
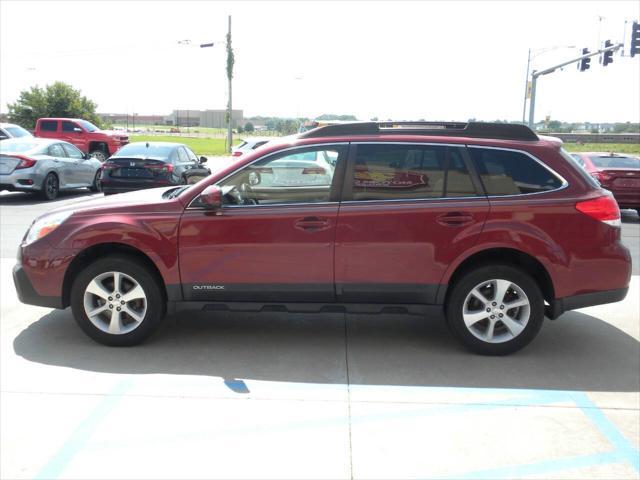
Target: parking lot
[[277, 395]]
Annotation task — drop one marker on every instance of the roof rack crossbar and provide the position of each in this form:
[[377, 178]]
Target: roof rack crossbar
[[500, 131]]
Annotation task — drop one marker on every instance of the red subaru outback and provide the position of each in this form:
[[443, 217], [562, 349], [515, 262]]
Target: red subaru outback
[[484, 223]]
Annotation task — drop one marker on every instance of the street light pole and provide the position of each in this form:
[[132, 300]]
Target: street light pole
[[536, 53], [526, 87], [230, 62]]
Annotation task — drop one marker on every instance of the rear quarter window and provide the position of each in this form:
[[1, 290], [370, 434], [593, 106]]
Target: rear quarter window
[[507, 172]]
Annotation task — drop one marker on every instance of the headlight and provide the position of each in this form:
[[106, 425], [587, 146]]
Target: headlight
[[44, 225]]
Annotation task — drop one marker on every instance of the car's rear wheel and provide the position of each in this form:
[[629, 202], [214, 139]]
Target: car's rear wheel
[[50, 187], [495, 309], [99, 155], [117, 301]]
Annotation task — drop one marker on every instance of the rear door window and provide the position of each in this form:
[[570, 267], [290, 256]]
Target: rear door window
[[56, 150], [507, 172], [49, 125], [396, 172], [182, 155]]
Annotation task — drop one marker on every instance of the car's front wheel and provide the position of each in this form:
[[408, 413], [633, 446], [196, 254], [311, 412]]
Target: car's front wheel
[[117, 301], [96, 186], [495, 309]]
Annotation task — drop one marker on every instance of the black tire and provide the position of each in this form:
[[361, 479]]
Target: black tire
[[183, 180], [99, 154], [486, 273], [155, 302], [638, 211], [96, 186], [50, 187]]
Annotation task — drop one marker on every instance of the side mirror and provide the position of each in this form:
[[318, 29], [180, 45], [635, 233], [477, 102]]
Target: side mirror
[[211, 197], [203, 159], [77, 130]]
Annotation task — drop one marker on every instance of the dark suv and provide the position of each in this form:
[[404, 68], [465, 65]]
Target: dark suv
[[488, 224]]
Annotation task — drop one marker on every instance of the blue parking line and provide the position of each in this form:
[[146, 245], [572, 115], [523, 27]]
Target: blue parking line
[[83, 432]]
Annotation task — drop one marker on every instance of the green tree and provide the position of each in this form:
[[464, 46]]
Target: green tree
[[56, 100], [248, 127]]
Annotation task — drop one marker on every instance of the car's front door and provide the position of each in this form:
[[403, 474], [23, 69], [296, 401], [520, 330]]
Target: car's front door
[[408, 211], [64, 165], [73, 133], [84, 169], [273, 239]]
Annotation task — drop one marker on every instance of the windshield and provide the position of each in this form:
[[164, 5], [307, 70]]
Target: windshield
[[88, 126], [615, 162], [17, 132], [146, 150]]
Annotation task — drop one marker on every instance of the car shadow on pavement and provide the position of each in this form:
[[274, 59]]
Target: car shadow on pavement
[[577, 352], [20, 198]]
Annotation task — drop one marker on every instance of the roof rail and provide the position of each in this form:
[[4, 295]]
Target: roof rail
[[500, 131]]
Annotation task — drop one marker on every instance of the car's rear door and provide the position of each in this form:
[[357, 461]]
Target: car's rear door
[[273, 240], [48, 129], [408, 211]]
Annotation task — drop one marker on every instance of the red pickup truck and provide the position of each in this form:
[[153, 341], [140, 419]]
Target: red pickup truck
[[100, 144]]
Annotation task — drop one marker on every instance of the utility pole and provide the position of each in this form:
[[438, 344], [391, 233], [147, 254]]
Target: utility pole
[[535, 74], [230, 62]]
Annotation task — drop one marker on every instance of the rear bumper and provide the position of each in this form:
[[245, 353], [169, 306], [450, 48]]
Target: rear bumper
[[22, 180], [28, 295], [561, 305], [626, 198], [129, 186]]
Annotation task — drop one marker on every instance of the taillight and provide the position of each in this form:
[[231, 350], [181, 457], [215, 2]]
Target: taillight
[[602, 177], [25, 162], [603, 208], [161, 167], [106, 166], [237, 153]]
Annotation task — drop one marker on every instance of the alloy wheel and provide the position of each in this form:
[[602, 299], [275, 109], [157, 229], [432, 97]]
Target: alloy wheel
[[115, 303], [496, 311]]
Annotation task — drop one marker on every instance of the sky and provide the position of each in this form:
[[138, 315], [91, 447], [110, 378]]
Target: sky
[[395, 60]]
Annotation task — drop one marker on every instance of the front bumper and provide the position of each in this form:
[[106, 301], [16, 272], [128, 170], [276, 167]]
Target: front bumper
[[28, 295]]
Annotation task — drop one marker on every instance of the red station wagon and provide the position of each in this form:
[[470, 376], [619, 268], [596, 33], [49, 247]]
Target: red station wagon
[[482, 223]]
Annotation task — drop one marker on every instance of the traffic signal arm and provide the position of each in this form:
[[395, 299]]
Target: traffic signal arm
[[612, 48]]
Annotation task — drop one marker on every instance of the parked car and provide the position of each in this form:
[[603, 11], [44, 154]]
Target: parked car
[[11, 130], [247, 145], [141, 165], [618, 173], [482, 223], [45, 166], [100, 144]]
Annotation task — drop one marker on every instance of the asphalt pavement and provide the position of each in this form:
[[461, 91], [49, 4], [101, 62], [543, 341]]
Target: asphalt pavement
[[277, 395]]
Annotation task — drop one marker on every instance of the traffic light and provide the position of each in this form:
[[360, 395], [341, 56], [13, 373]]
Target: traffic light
[[635, 39], [584, 63], [607, 57]]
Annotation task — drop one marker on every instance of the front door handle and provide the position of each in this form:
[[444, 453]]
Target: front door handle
[[455, 219], [312, 224]]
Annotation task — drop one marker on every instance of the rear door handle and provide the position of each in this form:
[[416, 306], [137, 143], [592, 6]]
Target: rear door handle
[[455, 219], [312, 224]]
